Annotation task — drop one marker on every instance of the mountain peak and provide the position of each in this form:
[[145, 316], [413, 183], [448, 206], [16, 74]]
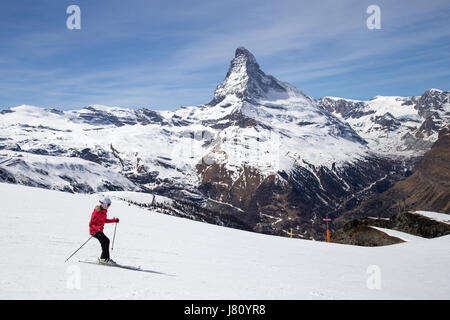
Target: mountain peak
[[243, 53], [246, 81], [244, 66]]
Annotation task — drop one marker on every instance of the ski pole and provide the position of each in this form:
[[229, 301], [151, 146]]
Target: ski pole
[[114, 237], [78, 248]]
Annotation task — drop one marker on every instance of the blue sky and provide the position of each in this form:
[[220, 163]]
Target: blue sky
[[165, 54]]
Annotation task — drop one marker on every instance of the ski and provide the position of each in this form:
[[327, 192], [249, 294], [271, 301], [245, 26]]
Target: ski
[[118, 265]]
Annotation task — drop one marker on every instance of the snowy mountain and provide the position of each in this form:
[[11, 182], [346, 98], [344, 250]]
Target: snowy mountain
[[395, 125], [183, 259], [246, 81], [260, 150]]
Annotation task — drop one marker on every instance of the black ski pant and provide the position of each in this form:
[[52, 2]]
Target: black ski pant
[[104, 242]]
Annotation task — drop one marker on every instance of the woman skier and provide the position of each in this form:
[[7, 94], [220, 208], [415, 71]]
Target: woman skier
[[98, 220]]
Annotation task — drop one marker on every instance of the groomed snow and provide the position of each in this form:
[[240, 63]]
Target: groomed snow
[[441, 217], [192, 260], [401, 235]]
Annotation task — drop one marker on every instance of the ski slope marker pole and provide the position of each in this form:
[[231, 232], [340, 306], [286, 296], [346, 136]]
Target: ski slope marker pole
[[78, 249], [328, 231]]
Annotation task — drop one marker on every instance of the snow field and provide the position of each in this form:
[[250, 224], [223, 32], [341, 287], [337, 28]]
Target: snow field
[[192, 260]]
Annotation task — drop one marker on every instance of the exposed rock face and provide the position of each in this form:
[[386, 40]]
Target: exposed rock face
[[428, 188], [346, 108], [358, 231], [300, 198], [363, 235], [412, 223]]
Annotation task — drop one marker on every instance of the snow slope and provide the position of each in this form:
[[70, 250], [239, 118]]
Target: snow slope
[[399, 234], [62, 173], [192, 260], [441, 217]]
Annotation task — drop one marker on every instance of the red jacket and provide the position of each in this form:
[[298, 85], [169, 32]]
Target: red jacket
[[98, 220]]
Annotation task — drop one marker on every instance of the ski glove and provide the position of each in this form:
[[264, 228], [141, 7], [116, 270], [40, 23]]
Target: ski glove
[[116, 220]]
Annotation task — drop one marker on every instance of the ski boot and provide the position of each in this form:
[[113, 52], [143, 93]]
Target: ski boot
[[106, 261]]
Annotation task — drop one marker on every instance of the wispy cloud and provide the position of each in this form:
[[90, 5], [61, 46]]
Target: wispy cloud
[[167, 54]]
